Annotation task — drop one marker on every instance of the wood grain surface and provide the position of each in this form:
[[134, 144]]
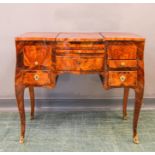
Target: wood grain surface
[[117, 57]]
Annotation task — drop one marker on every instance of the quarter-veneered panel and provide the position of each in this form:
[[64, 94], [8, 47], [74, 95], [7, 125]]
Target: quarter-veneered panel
[[122, 51], [37, 55]]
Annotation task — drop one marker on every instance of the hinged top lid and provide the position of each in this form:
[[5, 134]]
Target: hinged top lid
[[32, 36], [75, 36], [122, 36]]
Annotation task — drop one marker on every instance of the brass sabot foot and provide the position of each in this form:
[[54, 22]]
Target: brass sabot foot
[[136, 139], [125, 117], [21, 141]]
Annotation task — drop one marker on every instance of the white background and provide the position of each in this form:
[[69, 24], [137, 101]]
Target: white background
[[16, 19]]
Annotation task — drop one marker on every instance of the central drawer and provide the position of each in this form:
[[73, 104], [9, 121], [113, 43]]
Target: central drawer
[[80, 62]]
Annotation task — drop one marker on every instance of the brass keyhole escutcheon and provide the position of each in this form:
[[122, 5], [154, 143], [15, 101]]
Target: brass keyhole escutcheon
[[36, 77], [122, 78]]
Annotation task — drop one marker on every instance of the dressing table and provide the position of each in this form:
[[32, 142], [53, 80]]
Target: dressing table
[[116, 57]]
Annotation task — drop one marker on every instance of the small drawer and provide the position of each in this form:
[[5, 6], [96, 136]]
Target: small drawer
[[114, 64], [79, 51], [37, 78], [79, 45], [120, 78], [37, 55], [122, 51]]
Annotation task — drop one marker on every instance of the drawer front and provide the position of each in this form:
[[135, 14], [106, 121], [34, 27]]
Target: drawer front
[[79, 62], [79, 51], [37, 78], [122, 51], [79, 45], [68, 63], [91, 63], [37, 56], [120, 78], [114, 64]]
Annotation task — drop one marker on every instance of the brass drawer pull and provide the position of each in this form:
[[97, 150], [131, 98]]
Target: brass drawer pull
[[122, 64], [122, 78], [36, 63], [36, 77]]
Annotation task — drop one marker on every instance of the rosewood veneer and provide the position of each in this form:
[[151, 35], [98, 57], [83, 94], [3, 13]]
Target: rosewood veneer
[[116, 57]]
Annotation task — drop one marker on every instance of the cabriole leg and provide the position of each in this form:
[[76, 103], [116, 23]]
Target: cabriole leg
[[32, 100], [125, 102], [139, 91], [138, 104], [19, 90]]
